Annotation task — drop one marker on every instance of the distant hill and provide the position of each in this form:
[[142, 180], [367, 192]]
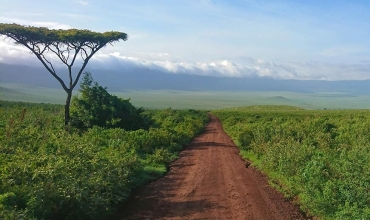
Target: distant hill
[[279, 99], [146, 79]]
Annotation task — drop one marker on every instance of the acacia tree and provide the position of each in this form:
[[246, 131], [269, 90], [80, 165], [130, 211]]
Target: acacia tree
[[67, 45]]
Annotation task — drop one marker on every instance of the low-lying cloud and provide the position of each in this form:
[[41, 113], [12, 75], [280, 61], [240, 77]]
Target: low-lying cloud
[[247, 67]]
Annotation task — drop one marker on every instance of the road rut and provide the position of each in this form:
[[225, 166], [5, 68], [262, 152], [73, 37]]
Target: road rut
[[209, 181]]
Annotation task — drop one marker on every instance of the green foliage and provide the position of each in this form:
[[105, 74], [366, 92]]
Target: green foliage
[[48, 173], [96, 107], [42, 35], [319, 157], [245, 138]]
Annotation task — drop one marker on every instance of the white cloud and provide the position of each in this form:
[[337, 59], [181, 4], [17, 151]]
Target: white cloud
[[247, 67], [82, 2], [11, 53], [153, 56], [51, 25]]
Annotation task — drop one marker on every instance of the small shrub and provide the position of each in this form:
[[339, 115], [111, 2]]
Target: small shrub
[[245, 139]]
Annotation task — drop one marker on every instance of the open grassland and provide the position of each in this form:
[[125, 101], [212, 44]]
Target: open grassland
[[49, 173], [320, 158], [197, 99]]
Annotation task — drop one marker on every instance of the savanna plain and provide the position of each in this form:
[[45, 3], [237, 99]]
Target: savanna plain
[[317, 158]]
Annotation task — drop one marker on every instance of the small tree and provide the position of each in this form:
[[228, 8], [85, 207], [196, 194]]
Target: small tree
[[67, 45]]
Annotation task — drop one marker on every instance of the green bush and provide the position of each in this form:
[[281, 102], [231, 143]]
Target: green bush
[[48, 173], [245, 139], [96, 107]]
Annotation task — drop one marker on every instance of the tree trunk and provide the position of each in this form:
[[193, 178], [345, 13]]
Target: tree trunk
[[66, 108]]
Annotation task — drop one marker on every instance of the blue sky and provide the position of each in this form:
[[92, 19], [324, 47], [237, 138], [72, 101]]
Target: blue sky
[[280, 39]]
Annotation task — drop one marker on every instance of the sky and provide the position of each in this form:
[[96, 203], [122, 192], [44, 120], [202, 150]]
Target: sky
[[282, 39]]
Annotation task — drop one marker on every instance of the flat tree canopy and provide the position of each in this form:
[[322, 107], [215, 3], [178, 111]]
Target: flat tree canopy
[[67, 45]]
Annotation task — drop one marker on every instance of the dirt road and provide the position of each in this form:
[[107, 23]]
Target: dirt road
[[209, 181]]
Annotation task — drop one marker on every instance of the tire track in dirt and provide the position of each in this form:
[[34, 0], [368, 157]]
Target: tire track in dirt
[[209, 181]]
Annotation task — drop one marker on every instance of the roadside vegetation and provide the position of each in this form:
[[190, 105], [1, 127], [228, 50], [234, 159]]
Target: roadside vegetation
[[110, 148], [318, 158]]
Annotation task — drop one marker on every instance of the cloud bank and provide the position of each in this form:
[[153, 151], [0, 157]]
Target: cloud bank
[[246, 67]]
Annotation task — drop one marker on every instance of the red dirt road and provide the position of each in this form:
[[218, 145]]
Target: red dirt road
[[209, 181]]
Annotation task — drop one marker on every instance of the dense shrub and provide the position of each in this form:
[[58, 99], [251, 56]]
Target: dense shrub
[[318, 157], [48, 173], [95, 106]]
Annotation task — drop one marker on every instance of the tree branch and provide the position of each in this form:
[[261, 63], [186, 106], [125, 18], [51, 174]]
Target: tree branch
[[51, 65], [59, 53], [84, 65], [70, 77], [83, 50], [46, 47], [69, 51], [51, 70], [77, 51]]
